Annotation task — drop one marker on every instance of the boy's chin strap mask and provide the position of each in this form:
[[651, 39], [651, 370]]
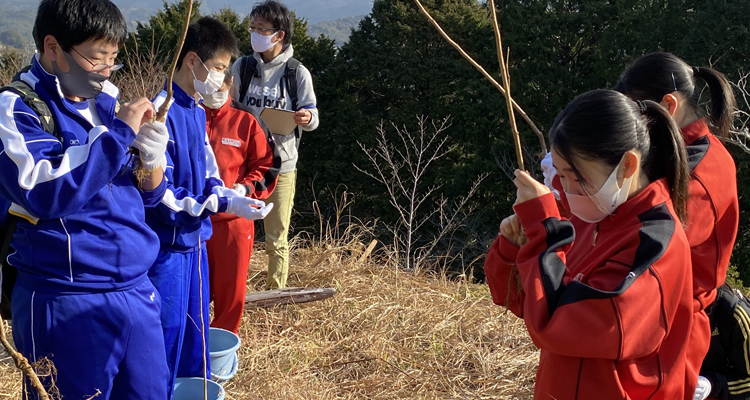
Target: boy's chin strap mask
[[77, 81]]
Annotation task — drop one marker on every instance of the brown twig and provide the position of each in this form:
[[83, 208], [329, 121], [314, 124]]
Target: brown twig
[[140, 172], [161, 115], [506, 82], [203, 328], [489, 77], [23, 364]]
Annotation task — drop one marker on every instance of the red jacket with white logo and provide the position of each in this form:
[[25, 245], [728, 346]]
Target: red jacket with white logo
[[608, 304], [245, 154]]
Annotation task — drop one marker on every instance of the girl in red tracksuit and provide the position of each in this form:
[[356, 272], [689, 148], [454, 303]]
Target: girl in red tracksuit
[[606, 295], [713, 210], [248, 163]]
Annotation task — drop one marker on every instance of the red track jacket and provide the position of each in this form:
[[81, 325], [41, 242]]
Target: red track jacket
[[608, 304], [713, 212], [244, 153]]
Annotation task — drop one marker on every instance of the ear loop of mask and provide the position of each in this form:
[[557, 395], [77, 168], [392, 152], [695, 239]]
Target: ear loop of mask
[[601, 207]]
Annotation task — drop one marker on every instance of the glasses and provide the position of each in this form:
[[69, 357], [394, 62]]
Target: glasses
[[262, 30], [99, 67]]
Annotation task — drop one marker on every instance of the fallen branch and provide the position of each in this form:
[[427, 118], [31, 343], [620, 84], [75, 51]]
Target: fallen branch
[[489, 77], [506, 82], [270, 298], [23, 364]]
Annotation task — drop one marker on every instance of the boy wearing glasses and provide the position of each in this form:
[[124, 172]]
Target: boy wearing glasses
[[82, 247], [194, 192], [265, 79]]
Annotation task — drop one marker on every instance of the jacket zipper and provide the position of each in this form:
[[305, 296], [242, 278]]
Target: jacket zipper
[[596, 233]]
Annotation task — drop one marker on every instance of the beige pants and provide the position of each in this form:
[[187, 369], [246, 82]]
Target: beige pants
[[276, 226]]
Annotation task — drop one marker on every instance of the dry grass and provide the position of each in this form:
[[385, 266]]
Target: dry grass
[[387, 334]]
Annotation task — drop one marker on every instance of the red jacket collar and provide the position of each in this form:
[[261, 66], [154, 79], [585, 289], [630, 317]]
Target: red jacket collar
[[219, 112], [653, 194], [695, 130]]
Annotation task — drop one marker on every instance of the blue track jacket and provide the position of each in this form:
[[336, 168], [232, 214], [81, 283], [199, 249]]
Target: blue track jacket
[[181, 219], [84, 228]]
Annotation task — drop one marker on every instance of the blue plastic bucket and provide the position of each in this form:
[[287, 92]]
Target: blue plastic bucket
[[223, 346], [192, 389]]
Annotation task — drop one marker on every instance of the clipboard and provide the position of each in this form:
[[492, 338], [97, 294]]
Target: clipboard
[[280, 122]]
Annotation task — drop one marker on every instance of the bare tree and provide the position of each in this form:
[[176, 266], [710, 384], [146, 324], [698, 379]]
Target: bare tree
[[739, 134], [402, 169]]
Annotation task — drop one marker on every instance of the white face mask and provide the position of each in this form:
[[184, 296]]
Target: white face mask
[[213, 81], [214, 101], [596, 207], [260, 42]]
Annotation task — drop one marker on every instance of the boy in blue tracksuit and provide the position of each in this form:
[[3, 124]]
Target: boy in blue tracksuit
[[194, 192], [82, 248]]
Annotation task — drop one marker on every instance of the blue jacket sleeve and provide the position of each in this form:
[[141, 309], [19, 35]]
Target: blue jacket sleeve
[[179, 207], [152, 198], [42, 178]]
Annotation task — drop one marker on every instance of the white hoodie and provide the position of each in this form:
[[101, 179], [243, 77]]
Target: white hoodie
[[267, 90]]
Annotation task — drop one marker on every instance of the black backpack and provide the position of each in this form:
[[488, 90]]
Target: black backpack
[[8, 273], [249, 69]]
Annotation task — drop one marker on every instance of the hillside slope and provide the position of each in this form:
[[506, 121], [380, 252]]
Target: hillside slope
[[385, 335]]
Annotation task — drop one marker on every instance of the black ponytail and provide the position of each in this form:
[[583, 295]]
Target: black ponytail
[[602, 125], [722, 99], [657, 74], [668, 157]]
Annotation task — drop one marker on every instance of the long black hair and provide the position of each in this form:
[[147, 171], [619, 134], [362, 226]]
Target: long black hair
[[657, 74], [601, 125]]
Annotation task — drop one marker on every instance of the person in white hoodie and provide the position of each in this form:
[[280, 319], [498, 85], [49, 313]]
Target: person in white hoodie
[[268, 79]]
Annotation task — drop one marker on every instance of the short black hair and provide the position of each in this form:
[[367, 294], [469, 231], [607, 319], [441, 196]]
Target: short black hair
[[73, 22], [277, 15], [208, 37]]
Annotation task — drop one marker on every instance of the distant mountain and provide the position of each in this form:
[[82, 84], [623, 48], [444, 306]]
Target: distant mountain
[[337, 29], [313, 10], [330, 17]]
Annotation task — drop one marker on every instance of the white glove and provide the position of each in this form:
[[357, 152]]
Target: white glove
[[239, 189], [549, 172], [703, 389], [151, 143], [222, 191], [248, 208]]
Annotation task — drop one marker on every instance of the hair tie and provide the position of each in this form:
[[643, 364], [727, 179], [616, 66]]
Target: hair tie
[[696, 71], [641, 106]]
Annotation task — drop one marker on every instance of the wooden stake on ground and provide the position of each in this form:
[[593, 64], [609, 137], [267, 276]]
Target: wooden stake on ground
[[276, 297], [506, 82], [489, 77], [367, 252], [23, 364]]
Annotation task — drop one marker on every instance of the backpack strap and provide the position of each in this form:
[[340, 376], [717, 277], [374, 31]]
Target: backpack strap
[[31, 99], [248, 69], [290, 79], [7, 272]]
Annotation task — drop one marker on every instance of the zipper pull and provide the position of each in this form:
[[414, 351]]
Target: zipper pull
[[596, 233]]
